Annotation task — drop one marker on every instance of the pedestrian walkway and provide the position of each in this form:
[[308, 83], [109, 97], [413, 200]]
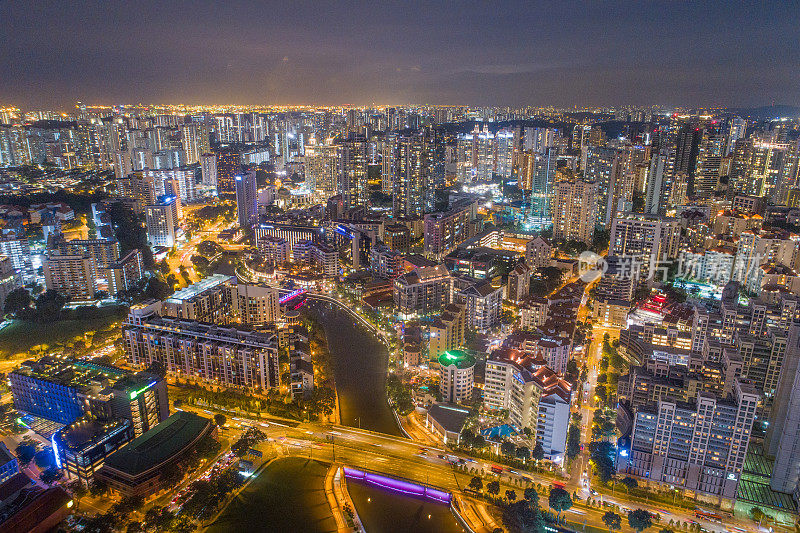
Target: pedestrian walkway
[[339, 500]]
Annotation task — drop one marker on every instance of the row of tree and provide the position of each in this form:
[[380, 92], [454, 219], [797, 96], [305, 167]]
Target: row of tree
[[399, 395], [638, 520]]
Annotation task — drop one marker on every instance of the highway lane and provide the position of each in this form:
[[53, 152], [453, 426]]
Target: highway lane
[[402, 457]]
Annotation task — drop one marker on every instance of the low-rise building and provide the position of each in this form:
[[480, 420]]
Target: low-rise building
[[446, 421], [274, 250], [397, 237], [552, 342], [533, 312], [519, 283], [135, 470], [324, 257], [484, 303], [385, 263], [301, 374], [25, 506], [538, 252], [412, 344]]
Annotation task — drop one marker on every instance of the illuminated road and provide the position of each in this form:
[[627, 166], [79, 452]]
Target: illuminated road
[[182, 257], [404, 458]]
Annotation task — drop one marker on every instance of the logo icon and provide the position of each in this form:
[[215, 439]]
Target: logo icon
[[591, 266]]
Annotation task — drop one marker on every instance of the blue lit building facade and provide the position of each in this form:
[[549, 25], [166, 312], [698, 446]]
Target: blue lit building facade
[[82, 447], [8, 463], [59, 402]]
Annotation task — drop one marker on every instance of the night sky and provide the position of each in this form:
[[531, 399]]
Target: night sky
[[482, 53]]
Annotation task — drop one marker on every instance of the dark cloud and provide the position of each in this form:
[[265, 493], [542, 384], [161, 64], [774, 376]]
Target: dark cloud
[[499, 53]]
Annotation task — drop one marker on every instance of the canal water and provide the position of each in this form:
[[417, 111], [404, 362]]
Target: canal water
[[359, 368], [385, 512], [288, 496]]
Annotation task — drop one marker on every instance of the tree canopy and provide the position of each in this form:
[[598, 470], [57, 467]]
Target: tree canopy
[[559, 500], [639, 519], [612, 520], [476, 484], [17, 300], [603, 458]]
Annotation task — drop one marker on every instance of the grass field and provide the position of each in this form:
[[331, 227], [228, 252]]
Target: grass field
[[21, 335]]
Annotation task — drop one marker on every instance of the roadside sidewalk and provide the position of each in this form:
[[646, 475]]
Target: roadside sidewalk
[[339, 499]]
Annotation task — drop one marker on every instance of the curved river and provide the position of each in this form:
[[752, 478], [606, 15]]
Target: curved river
[[288, 496], [359, 369]]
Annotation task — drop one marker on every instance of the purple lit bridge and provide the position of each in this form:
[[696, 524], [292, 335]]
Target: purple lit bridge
[[398, 485], [291, 296]]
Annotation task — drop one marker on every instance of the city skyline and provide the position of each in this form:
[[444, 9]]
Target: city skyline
[[388, 267], [248, 53]]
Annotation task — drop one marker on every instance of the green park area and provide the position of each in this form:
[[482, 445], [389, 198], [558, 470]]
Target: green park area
[[23, 338]]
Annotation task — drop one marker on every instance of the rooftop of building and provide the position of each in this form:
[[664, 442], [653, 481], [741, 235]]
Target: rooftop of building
[[5, 454], [481, 290], [534, 368], [754, 485], [392, 228], [480, 254], [136, 383], [521, 269], [88, 431], [538, 240], [192, 327], [271, 238], [13, 485], [27, 511], [534, 299], [69, 372], [302, 365], [424, 274], [550, 334], [450, 418], [449, 313], [381, 248], [211, 282], [130, 256], [458, 358], [159, 444], [417, 260]]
